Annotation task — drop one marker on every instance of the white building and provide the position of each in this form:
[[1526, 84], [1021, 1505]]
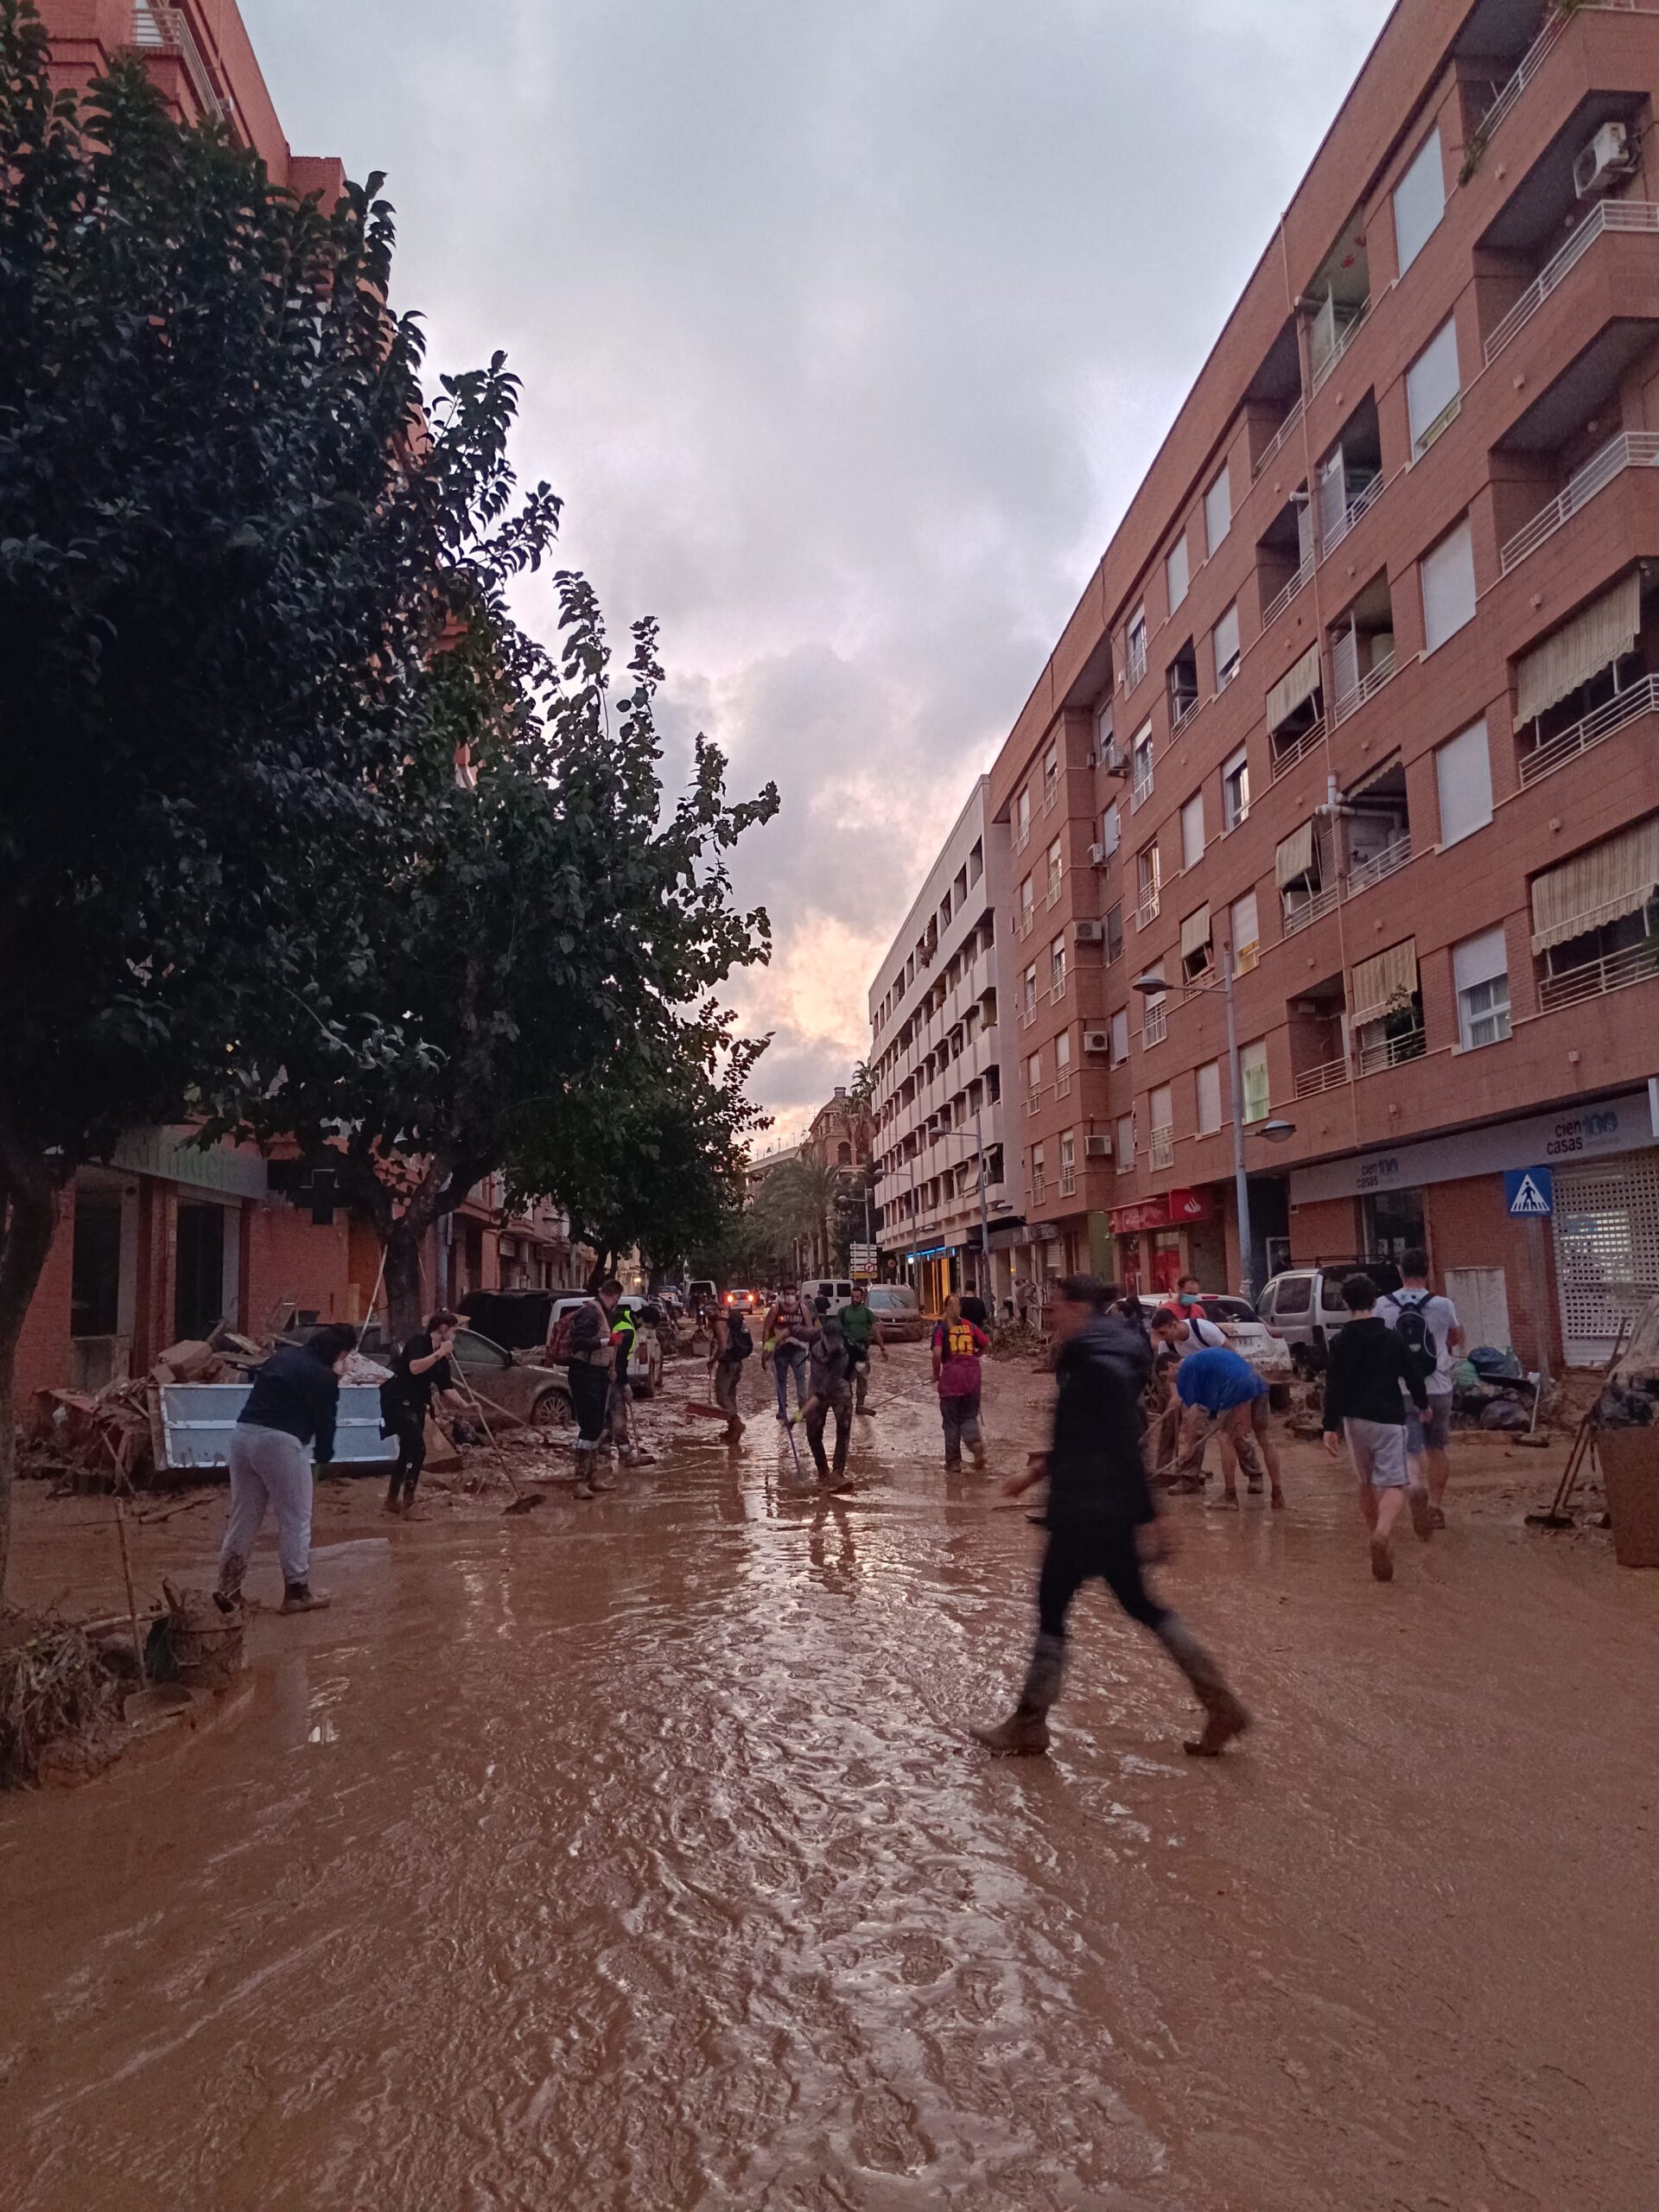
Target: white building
[[940, 1084]]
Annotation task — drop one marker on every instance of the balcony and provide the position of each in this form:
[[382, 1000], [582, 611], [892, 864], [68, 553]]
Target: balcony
[[1181, 715], [157, 29], [1609, 971], [1281, 599], [1387, 862], [1068, 1182], [1286, 755], [1554, 23], [1642, 215], [1357, 508], [1313, 910], [1369, 685], [1332, 1076], [1392, 1051], [1276, 443], [1344, 340], [1641, 698], [1154, 1024], [1162, 1154], [1146, 913], [1630, 449]]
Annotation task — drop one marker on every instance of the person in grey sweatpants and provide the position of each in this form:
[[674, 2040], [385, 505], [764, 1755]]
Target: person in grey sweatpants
[[287, 1419]]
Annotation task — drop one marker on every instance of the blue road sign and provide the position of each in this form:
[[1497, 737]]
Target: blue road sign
[[1530, 1191]]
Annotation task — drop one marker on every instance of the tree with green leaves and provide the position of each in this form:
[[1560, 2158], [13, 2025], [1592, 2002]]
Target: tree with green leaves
[[232, 537]]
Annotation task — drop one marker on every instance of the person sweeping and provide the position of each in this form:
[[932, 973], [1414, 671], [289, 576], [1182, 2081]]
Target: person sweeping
[[290, 1416], [1101, 1523]]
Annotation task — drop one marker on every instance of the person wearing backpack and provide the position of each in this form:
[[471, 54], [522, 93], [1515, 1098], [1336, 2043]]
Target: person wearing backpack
[[733, 1344], [1368, 1376], [590, 1356], [1427, 1326]]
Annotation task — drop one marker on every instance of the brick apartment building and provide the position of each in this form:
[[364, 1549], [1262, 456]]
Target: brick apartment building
[[941, 1097], [166, 1239], [1366, 690]]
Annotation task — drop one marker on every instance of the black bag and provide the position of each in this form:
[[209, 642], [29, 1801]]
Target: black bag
[[1422, 1353], [739, 1343]]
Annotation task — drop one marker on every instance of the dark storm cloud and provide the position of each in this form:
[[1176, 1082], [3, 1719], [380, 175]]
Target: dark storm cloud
[[848, 327]]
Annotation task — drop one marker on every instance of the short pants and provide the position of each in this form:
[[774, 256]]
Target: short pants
[[1377, 1449], [1429, 1431]]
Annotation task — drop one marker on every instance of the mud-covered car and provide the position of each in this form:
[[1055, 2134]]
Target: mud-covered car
[[1241, 1330], [520, 1386]]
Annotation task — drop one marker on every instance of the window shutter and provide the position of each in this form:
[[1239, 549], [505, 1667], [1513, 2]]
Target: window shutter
[[1208, 1098], [1192, 831], [1593, 640], [1290, 691], [1217, 511], [1432, 382], [1226, 639], [1613, 879], [1463, 772], [1420, 201], [1175, 573], [1195, 933], [1480, 959], [1448, 578], [1294, 858], [1245, 929], [1384, 983]]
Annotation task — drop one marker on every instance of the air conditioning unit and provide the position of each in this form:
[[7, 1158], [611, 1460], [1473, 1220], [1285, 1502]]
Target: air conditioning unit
[[1096, 1040], [1096, 1148], [1603, 160], [1115, 760], [1091, 932]]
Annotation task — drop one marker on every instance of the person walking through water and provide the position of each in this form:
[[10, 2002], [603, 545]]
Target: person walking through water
[[1428, 1327], [829, 1391], [862, 1328], [288, 1421], [958, 1342], [732, 1345], [1101, 1521], [786, 1345], [421, 1369], [591, 1359], [1368, 1369]]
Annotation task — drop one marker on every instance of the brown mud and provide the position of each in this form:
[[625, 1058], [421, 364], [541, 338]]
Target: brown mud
[[631, 1854]]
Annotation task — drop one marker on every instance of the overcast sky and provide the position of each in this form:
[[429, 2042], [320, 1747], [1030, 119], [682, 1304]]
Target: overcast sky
[[848, 328]]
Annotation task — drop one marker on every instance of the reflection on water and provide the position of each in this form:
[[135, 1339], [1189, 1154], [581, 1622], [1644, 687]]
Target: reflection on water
[[636, 1857]]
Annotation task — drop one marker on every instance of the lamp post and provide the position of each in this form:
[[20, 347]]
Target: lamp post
[[1275, 1132]]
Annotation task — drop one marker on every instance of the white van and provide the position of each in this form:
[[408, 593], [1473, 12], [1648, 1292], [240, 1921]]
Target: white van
[[839, 1291]]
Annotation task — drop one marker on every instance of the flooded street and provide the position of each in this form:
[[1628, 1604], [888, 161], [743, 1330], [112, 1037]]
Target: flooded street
[[633, 1855]]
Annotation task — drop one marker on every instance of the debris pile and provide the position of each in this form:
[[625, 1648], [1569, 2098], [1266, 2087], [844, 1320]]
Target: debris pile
[[55, 1689]]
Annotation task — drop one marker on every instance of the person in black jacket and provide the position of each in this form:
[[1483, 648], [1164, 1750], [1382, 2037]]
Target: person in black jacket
[[1101, 1520], [422, 1368], [1367, 1365], [287, 1419]]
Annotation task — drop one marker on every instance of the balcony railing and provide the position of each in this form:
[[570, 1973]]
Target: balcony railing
[[1039, 1189], [1056, 989], [1135, 663], [1182, 715], [1609, 215], [1278, 438], [1555, 22], [1063, 1084], [1611, 972], [1630, 449], [1052, 791], [1641, 697], [1281, 599], [1162, 1153], [1366, 688], [1022, 838], [158, 29], [1286, 756], [1033, 1102], [1312, 910], [1392, 1051], [1068, 1182], [1028, 1016], [1391, 858], [1140, 791], [1360, 505], [1350, 332], [1056, 885], [1024, 921], [1146, 913], [1329, 1076], [1154, 1025]]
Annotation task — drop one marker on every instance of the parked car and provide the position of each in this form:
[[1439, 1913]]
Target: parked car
[[645, 1367], [700, 1295], [535, 1393], [1249, 1337], [894, 1305], [1303, 1306]]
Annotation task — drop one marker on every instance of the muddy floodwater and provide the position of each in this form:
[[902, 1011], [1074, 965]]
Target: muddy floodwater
[[631, 1855]]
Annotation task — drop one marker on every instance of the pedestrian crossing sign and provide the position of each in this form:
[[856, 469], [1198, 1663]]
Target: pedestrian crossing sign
[[1529, 1192]]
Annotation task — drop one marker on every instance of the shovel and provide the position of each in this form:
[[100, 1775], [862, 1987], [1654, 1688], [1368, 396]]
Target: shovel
[[524, 1501]]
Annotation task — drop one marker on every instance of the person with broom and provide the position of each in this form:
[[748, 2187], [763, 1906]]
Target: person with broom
[[830, 1390], [422, 1369], [288, 1418]]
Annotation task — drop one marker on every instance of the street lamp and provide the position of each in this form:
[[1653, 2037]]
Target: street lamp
[[1276, 1132]]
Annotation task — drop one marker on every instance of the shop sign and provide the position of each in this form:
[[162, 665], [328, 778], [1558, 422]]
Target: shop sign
[[1612, 1126], [229, 1170], [1170, 1210]]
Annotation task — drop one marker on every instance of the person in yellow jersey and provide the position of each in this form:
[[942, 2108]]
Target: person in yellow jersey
[[958, 1344]]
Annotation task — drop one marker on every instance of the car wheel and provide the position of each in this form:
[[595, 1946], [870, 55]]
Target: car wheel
[[551, 1410]]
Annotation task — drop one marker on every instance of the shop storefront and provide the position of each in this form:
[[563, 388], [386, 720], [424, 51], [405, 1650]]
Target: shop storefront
[[1156, 1241]]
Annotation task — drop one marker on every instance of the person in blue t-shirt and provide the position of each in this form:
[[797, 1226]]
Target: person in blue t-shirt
[[1219, 1389]]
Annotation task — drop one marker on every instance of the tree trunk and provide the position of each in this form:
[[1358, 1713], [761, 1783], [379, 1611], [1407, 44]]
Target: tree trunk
[[26, 1219], [403, 1284]]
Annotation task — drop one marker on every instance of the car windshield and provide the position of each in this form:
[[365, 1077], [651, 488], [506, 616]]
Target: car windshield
[[890, 1301], [473, 1350], [1228, 1309]]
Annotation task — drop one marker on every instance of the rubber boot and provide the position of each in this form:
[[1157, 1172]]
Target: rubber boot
[[584, 1470], [1226, 1717], [1025, 1732], [300, 1597]]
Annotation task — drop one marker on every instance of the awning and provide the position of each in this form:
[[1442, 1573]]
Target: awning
[[1195, 933], [1294, 858], [1373, 777], [1591, 642], [1613, 879], [1289, 693], [1384, 983]]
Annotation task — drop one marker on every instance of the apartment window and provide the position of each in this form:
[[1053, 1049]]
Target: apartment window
[[1038, 1176], [1247, 935], [1137, 645], [1027, 900], [1022, 816], [1114, 934], [1209, 1098], [1030, 989], [1419, 200], [1056, 868], [1068, 1164], [1253, 1081], [1051, 771], [1175, 575], [1192, 831], [1217, 511], [1111, 829], [1195, 954], [1120, 1036], [1432, 387], [1448, 574], [1480, 971], [1140, 768], [1463, 774], [1035, 1074], [1160, 1112], [1224, 639], [1235, 789], [1123, 1143], [1063, 1055], [1057, 969], [1146, 884]]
